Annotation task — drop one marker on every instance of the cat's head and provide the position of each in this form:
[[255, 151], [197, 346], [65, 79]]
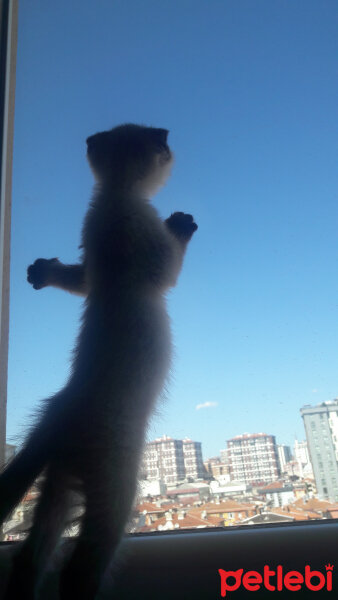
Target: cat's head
[[135, 158]]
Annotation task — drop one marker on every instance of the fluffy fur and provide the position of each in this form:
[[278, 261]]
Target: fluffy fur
[[90, 435]]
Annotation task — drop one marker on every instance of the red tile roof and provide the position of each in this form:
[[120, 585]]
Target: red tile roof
[[313, 504]]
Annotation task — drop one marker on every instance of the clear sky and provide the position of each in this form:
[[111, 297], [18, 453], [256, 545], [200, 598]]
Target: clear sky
[[248, 90]]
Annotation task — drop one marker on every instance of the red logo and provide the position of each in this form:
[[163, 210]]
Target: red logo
[[276, 580]]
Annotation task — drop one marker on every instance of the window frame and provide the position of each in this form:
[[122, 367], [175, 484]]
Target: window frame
[[8, 48], [184, 564]]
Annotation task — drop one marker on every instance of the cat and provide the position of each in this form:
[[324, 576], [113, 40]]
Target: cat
[[90, 435]]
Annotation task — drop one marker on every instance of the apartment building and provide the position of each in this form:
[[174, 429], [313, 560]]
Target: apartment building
[[321, 428], [172, 460], [216, 469], [302, 457], [224, 456], [193, 461], [284, 456], [253, 458]]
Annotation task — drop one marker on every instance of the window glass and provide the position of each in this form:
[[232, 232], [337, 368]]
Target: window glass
[[247, 91]]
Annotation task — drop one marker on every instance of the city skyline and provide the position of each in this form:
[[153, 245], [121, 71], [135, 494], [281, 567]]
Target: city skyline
[[165, 436], [254, 458], [278, 440], [297, 449]]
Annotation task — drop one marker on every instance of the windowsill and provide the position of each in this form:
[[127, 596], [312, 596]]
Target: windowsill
[[184, 564]]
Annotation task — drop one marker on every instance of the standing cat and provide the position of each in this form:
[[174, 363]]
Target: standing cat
[[91, 433]]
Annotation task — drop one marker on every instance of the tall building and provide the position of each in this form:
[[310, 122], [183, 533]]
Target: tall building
[[253, 458], [284, 456], [164, 459], [301, 451], [302, 458], [193, 461], [224, 456], [172, 460], [321, 428]]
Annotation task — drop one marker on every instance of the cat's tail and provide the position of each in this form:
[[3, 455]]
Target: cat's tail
[[20, 474]]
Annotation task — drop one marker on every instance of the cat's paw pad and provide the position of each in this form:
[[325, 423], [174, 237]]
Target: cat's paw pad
[[38, 272], [182, 225]]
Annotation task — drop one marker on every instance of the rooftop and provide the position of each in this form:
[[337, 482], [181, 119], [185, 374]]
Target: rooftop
[[246, 436]]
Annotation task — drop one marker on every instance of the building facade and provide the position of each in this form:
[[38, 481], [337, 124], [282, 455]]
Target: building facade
[[284, 456], [278, 495], [172, 460], [301, 452], [302, 457], [215, 468], [193, 461], [224, 456], [321, 428], [253, 458], [164, 459]]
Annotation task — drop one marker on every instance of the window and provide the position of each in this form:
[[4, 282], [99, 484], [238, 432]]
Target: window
[[233, 323]]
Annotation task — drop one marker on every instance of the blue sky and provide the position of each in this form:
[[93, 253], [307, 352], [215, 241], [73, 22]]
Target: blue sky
[[248, 91]]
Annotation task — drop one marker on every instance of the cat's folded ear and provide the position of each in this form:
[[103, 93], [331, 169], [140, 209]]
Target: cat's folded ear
[[161, 135]]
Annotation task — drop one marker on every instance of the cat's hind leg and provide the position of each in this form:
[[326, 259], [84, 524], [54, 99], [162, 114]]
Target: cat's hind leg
[[109, 498], [20, 474], [36, 551]]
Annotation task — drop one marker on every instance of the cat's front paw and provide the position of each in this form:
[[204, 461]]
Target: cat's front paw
[[38, 273], [182, 225]]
